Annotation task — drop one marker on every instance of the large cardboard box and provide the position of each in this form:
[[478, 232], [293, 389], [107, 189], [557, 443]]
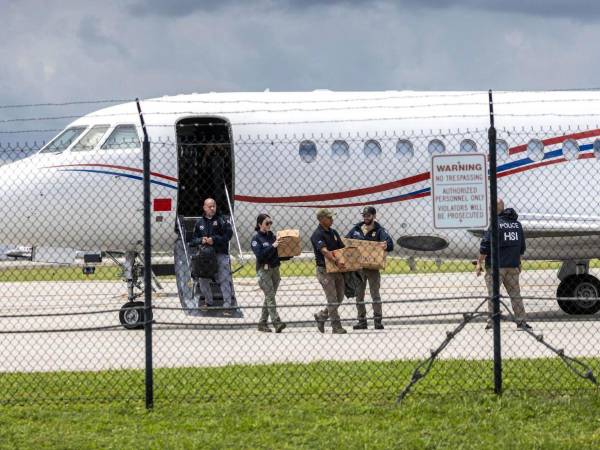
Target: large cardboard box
[[372, 256], [289, 243], [350, 256]]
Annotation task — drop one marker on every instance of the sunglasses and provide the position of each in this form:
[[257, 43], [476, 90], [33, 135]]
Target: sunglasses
[[268, 222]]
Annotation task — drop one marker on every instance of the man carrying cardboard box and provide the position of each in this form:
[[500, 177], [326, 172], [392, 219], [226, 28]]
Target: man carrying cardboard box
[[370, 230], [325, 240]]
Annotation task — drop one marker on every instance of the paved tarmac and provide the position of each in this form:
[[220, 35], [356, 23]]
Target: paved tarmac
[[45, 326]]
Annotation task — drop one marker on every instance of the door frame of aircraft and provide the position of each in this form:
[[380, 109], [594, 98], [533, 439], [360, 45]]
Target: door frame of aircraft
[[205, 163]]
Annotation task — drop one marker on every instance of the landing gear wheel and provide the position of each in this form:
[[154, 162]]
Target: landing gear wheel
[[585, 287], [131, 315]]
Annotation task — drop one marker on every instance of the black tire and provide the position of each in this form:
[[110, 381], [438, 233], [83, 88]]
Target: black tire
[[131, 315], [581, 286]]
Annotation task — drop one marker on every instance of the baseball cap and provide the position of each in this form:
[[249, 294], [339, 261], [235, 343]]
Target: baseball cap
[[324, 212], [369, 210]]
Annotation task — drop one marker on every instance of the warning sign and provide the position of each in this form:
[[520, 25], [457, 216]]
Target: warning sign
[[459, 191]]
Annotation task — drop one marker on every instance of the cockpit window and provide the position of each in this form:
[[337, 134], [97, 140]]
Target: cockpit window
[[91, 138], [123, 136], [61, 142]]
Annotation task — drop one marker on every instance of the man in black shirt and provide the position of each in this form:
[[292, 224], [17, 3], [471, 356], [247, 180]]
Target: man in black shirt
[[511, 247], [324, 240], [370, 230], [214, 230]]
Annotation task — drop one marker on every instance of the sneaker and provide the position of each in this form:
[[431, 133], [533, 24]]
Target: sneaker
[[263, 327], [320, 323], [379, 325], [228, 312], [280, 327], [360, 325], [524, 326], [338, 330], [489, 325]]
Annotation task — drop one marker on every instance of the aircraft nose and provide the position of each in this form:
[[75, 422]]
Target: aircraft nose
[[17, 209]]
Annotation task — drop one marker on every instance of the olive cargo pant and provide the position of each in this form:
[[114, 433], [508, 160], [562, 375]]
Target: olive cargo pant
[[333, 285], [373, 277], [268, 280], [509, 277]]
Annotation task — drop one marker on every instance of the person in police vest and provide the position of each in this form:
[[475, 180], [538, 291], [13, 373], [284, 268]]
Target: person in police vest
[[324, 241], [264, 245], [214, 230], [370, 230], [511, 247]]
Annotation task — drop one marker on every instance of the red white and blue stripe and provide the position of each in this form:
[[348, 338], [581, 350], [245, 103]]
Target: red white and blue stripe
[[343, 198]]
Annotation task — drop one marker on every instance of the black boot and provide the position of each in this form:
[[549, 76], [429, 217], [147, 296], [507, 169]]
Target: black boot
[[360, 325], [378, 324], [320, 323], [264, 328], [336, 328]]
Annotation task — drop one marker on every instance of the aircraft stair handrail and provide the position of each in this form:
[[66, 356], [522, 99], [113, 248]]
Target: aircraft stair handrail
[[182, 233], [237, 237]]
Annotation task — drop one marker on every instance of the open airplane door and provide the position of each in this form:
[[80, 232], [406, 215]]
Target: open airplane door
[[205, 169]]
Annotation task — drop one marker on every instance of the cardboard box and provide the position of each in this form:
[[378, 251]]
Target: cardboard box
[[289, 244], [372, 256], [350, 256]]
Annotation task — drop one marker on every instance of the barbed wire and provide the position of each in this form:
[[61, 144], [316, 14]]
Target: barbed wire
[[339, 108], [68, 103], [53, 130], [402, 95], [337, 100]]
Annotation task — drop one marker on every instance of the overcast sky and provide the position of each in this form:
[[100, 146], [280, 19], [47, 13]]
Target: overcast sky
[[76, 50]]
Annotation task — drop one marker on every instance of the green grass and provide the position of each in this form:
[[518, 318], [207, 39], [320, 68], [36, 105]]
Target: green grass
[[395, 266], [58, 273], [319, 405]]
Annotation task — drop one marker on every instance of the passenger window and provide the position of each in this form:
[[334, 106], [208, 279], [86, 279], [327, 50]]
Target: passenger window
[[372, 148], [535, 150], [340, 149], [123, 136], [436, 146], [570, 149], [502, 150], [469, 146], [308, 151], [91, 138], [61, 142], [404, 149]]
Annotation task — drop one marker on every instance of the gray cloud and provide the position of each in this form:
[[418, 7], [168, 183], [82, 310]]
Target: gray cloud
[[574, 9], [80, 52], [93, 37], [180, 8]]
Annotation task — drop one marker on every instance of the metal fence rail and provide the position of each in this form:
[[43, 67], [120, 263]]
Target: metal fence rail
[[76, 322]]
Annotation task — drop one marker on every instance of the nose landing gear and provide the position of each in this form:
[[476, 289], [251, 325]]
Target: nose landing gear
[[131, 315]]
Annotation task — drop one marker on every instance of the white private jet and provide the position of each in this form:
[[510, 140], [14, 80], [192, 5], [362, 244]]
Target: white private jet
[[289, 153]]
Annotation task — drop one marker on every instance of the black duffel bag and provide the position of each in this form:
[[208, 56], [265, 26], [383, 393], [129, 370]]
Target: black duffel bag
[[204, 262]]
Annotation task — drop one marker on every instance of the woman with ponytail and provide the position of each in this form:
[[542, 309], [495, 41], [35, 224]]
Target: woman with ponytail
[[264, 246]]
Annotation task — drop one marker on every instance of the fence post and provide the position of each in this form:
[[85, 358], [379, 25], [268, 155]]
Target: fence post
[[495, 260], [147, 265]]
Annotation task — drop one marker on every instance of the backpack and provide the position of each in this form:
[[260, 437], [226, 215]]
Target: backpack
[[352, 281], [204, 262]]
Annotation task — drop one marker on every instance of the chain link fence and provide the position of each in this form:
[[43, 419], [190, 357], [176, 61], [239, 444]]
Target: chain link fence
[[72, 308]]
